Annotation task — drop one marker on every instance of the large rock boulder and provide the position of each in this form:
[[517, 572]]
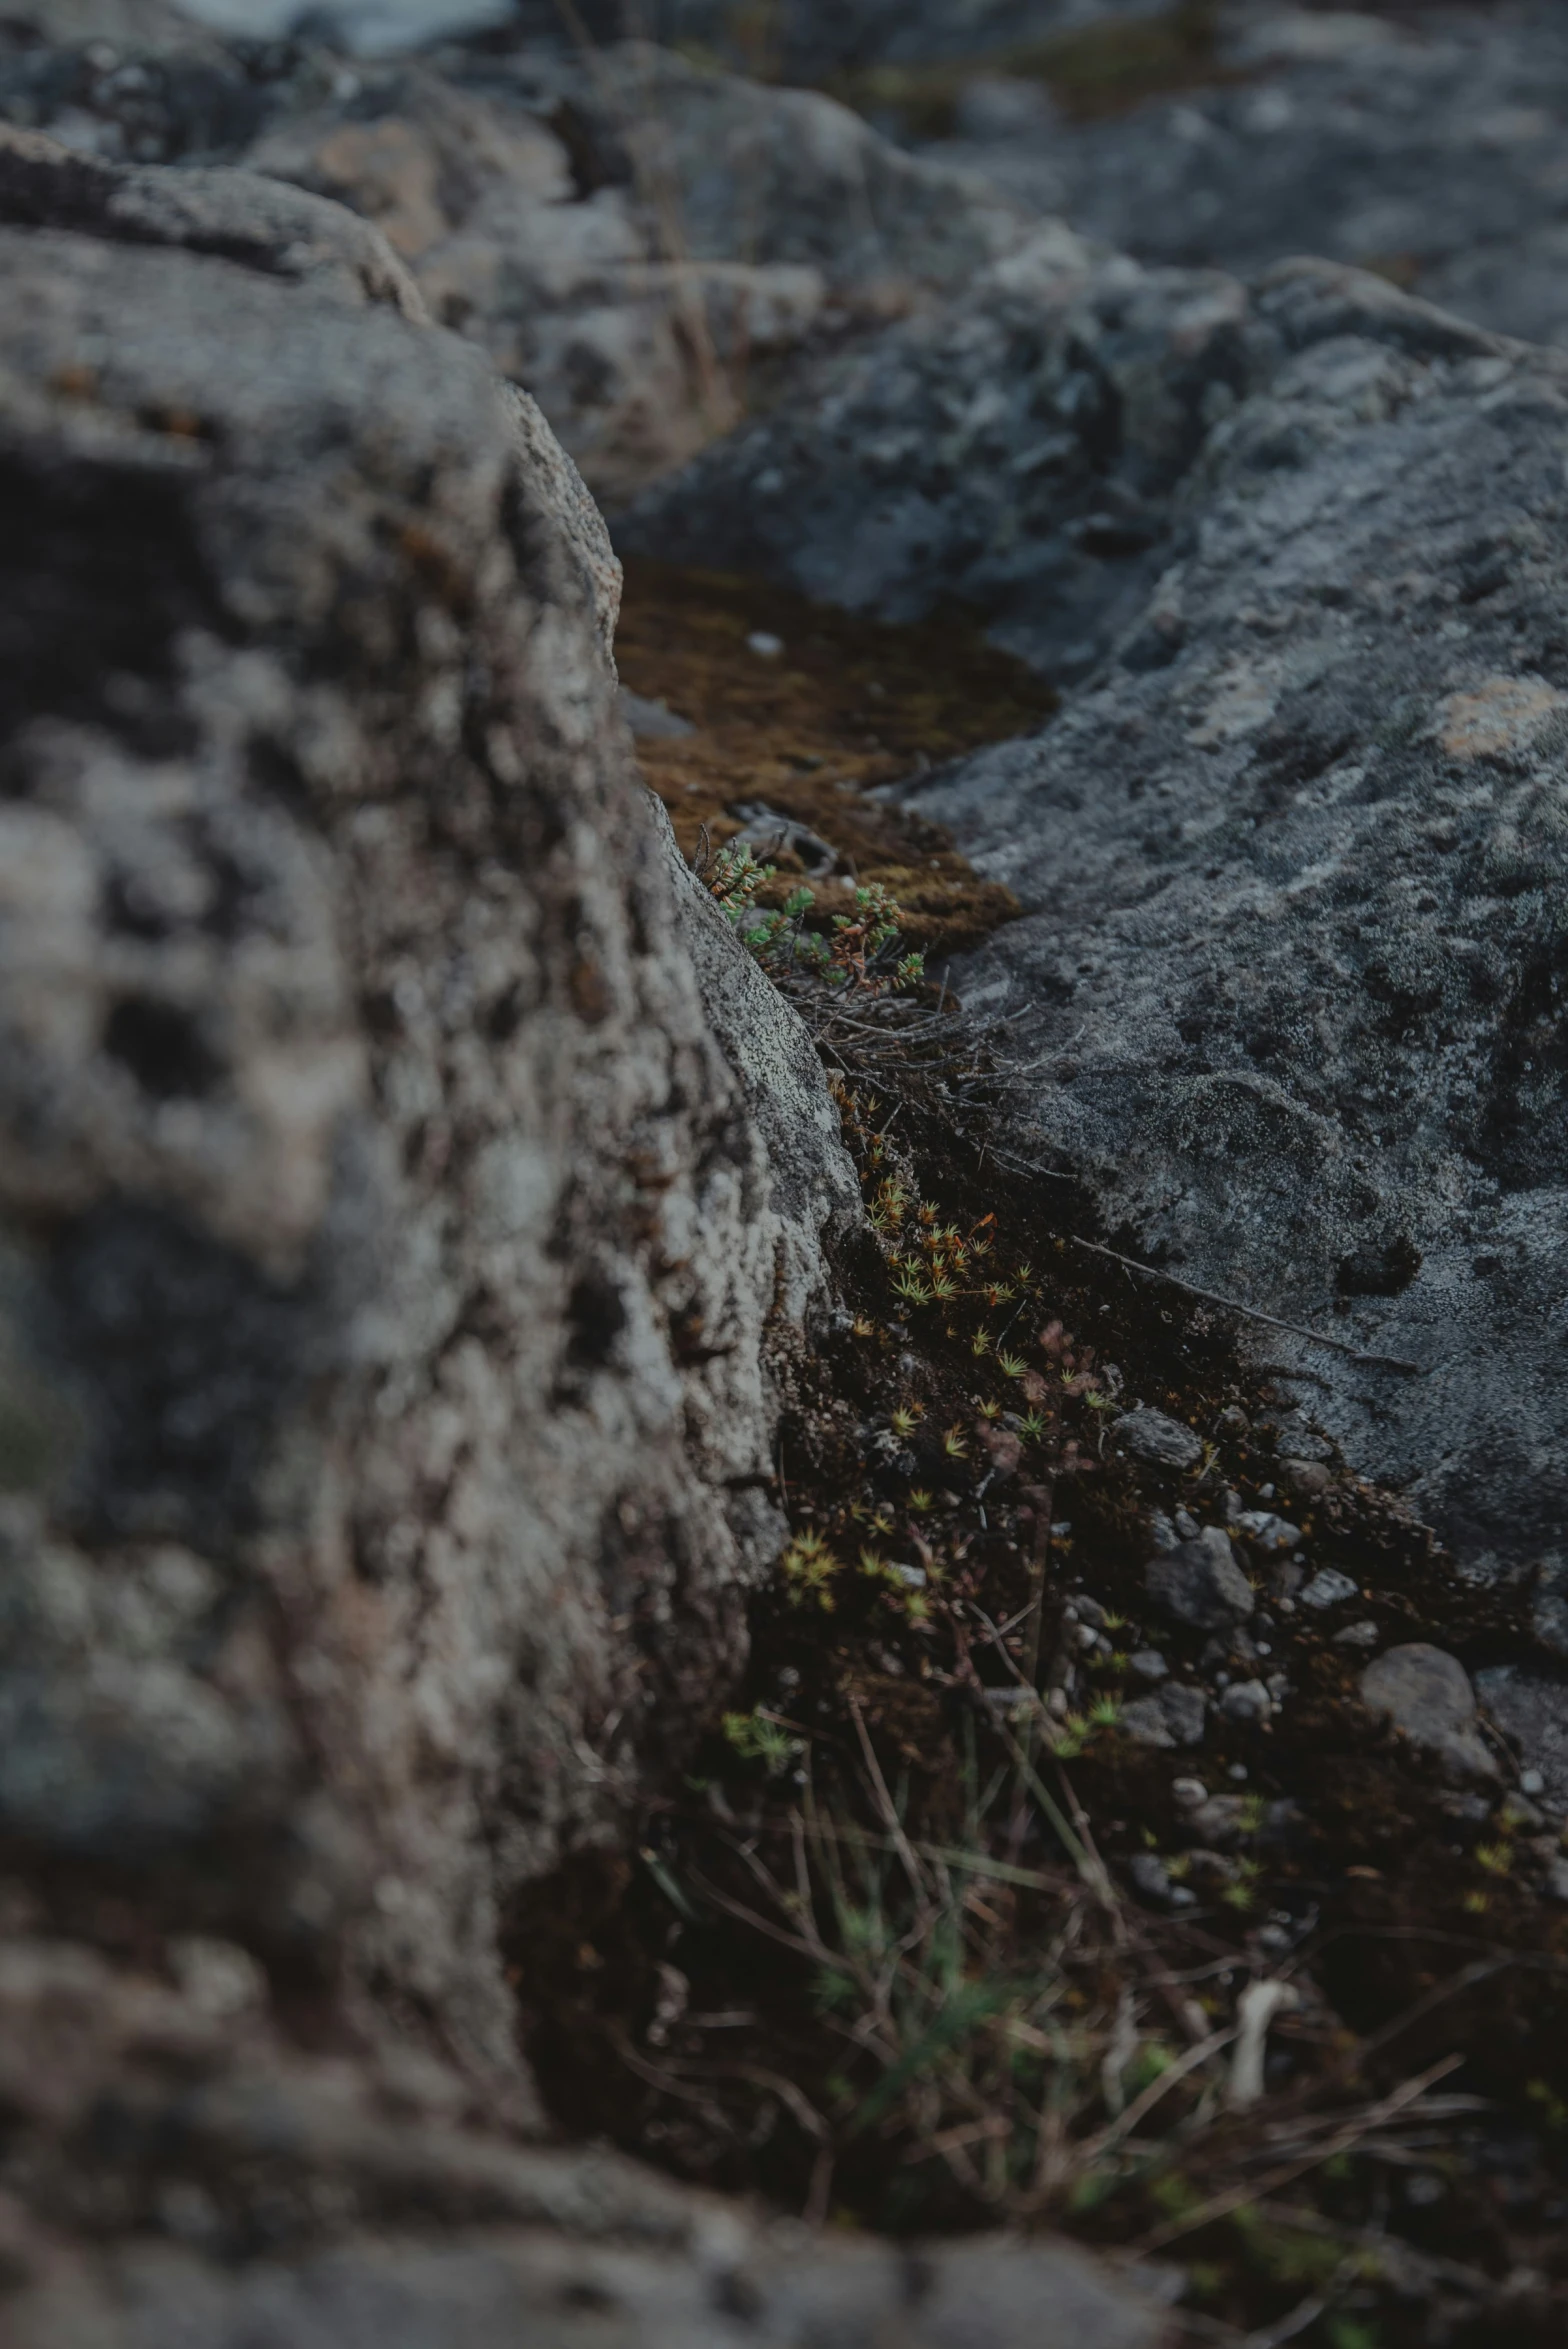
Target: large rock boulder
[[1017, 452], [1420, 141], [394, 1279], [1289, 994], [390, 1260], [644, 244]]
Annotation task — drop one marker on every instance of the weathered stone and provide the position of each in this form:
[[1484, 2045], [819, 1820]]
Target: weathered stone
[[1531, 1709], [1328, 1588], [1200, 1582], [1426, 1694], [1156, 1437], [240, 216], [1290, 986], [1247, 1702], [1416, 143], [389, 1252], [1148, 1664], [1018, 452], [1172, 1716]]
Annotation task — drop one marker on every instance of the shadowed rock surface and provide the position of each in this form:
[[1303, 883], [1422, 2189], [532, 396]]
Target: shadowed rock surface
[[1289, 990], [396, 1285]]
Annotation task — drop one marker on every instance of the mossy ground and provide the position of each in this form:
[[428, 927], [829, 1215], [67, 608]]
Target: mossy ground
[[953, 1484], [1090, 71], [813, 730]]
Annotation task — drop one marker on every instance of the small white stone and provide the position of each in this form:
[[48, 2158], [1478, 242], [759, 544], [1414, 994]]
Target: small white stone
[[767, 646], [1531, 1782]]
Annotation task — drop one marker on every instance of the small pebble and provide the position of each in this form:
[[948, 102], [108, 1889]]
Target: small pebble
[[1148, 1663], [1187, 1525], [1188, 1792], [1328, 1588], [1247, 1701], [1357, 1635], [1531, 1782], [1238, 1771], [766, 646]]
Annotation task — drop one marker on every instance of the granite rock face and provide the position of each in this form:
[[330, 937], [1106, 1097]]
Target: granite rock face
[[645, 246], [1289, 993], [1423, 141], [1018, 452], [410, 1198], [391, 1264]]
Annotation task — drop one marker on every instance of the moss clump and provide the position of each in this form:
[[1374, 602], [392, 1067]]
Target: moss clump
[[810, 733]]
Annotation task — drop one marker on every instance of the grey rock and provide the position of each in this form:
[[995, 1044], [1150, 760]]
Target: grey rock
[[1327, 1588], [388, 1246], [1159, 1439], [1150, 1875], [1172, 1716], [1292, 892], [239, 216], [1531, 1709], [1200, 1582], [1427, 1695], [1364, 1634], [386, 2204], [1275, 1536], [1557, 1878], [651, 721], [729, 230], [1247, 1702], [1188, 1793], [1420, 145], [1018, 451], [1220, 1821], [1148, 1663]]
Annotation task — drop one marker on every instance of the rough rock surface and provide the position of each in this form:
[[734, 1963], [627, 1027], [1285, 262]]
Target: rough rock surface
[[1423, 141], [238, 2193], [389, 1255], [1427, 1696], [1017, 452], [641, 244], [391, 1267], [1199, 1582], [1290, 990], [1156, 1437]]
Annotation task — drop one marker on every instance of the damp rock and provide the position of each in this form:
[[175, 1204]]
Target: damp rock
[[1172, 1716], [1155, 1437], [1247, 1702], [1200, 1583], [1426, 1695], [1327, 1588]]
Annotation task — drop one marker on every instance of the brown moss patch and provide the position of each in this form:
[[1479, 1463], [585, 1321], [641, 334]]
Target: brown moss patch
[[812, 731], [1092, 71]]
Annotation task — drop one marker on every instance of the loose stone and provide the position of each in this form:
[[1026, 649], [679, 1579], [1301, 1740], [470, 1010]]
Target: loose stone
[[1200, 1582], [1426, 1693]]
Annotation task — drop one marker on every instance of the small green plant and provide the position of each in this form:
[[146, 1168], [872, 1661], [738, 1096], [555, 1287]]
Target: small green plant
[[809, 1567], [1031, 1427], [905, 1419], [954, 1444], [1011, 1365], [757, 1738], [920, 1501]]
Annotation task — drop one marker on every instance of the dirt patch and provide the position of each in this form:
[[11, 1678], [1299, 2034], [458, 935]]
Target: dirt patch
[[808, 731]]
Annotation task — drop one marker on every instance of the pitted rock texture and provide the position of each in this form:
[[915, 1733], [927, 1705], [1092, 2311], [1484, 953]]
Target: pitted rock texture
[[1289, 993], [643, 245], [389, 1259], [1423, 141], [1017, 452]]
